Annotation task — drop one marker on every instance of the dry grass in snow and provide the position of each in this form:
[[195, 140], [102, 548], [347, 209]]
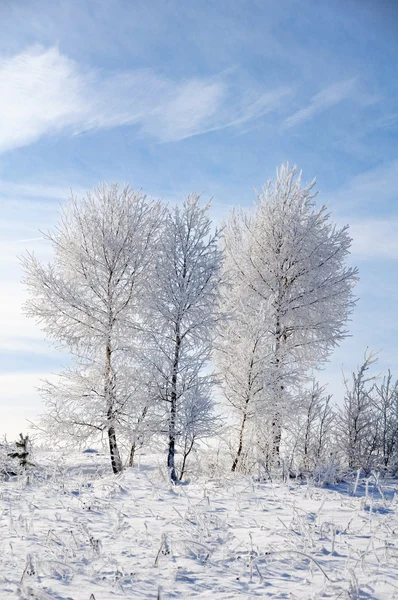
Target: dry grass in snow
[[75, 532]]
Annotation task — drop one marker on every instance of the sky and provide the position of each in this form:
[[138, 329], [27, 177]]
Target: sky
[[181, 96]]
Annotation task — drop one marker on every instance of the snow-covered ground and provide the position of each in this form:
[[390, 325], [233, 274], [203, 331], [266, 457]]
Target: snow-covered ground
[[77, 532]]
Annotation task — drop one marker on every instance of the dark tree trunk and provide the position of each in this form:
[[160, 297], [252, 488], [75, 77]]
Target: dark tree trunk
[[116, 461], [276, 431], [276, 440], [187, 452], [173, 409], [132, 453], [240, 447], [171, 452]]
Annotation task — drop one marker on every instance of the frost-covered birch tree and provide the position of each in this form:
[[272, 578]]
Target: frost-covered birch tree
[[182, 313], [291, 261], [89, 301], [75, 403], [241, 359]]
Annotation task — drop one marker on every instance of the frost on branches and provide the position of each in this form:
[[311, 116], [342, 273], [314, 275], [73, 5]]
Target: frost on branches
[[181, 316], [145, 297], [310, 438], [367, 424], [89, 300], [291, 290]]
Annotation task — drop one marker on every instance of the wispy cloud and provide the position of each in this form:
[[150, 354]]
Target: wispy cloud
[[43, 92], [12, 242], [329, 96], [368, 190], [39, 91], [10, 189], [375, 239], [190, 113], [379, 183]]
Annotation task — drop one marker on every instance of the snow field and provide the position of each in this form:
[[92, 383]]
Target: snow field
[[75, 531]]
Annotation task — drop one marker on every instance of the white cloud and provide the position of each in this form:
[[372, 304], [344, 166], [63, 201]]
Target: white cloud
[[36, 190], [20, 336], [260, 105], [375, 238], [377, 185], [43, 92], [330, 96], [19, 225], [39, 91], [186, 113], [18, 333], [19, 400]]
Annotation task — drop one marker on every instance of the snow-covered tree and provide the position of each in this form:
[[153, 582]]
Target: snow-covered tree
[[311, 429], [196, 419], [22, 451], [358, 419], [385, 399], [182, 316], [76, 408], [241, 360], [290, 260], [89, 298]]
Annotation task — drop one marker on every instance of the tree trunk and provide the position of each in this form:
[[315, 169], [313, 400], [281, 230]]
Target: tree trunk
[[245, 410], [131, 457], [173, 409], [307, 437], [276, 430], [137, 441], [172, 441], [116, 461], [240, 447], [187, 452], [276, 439]]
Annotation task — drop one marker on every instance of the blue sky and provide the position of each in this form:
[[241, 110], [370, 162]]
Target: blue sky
[[187, 96]]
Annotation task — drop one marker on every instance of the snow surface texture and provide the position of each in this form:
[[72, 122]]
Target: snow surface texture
[[75, 532]]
